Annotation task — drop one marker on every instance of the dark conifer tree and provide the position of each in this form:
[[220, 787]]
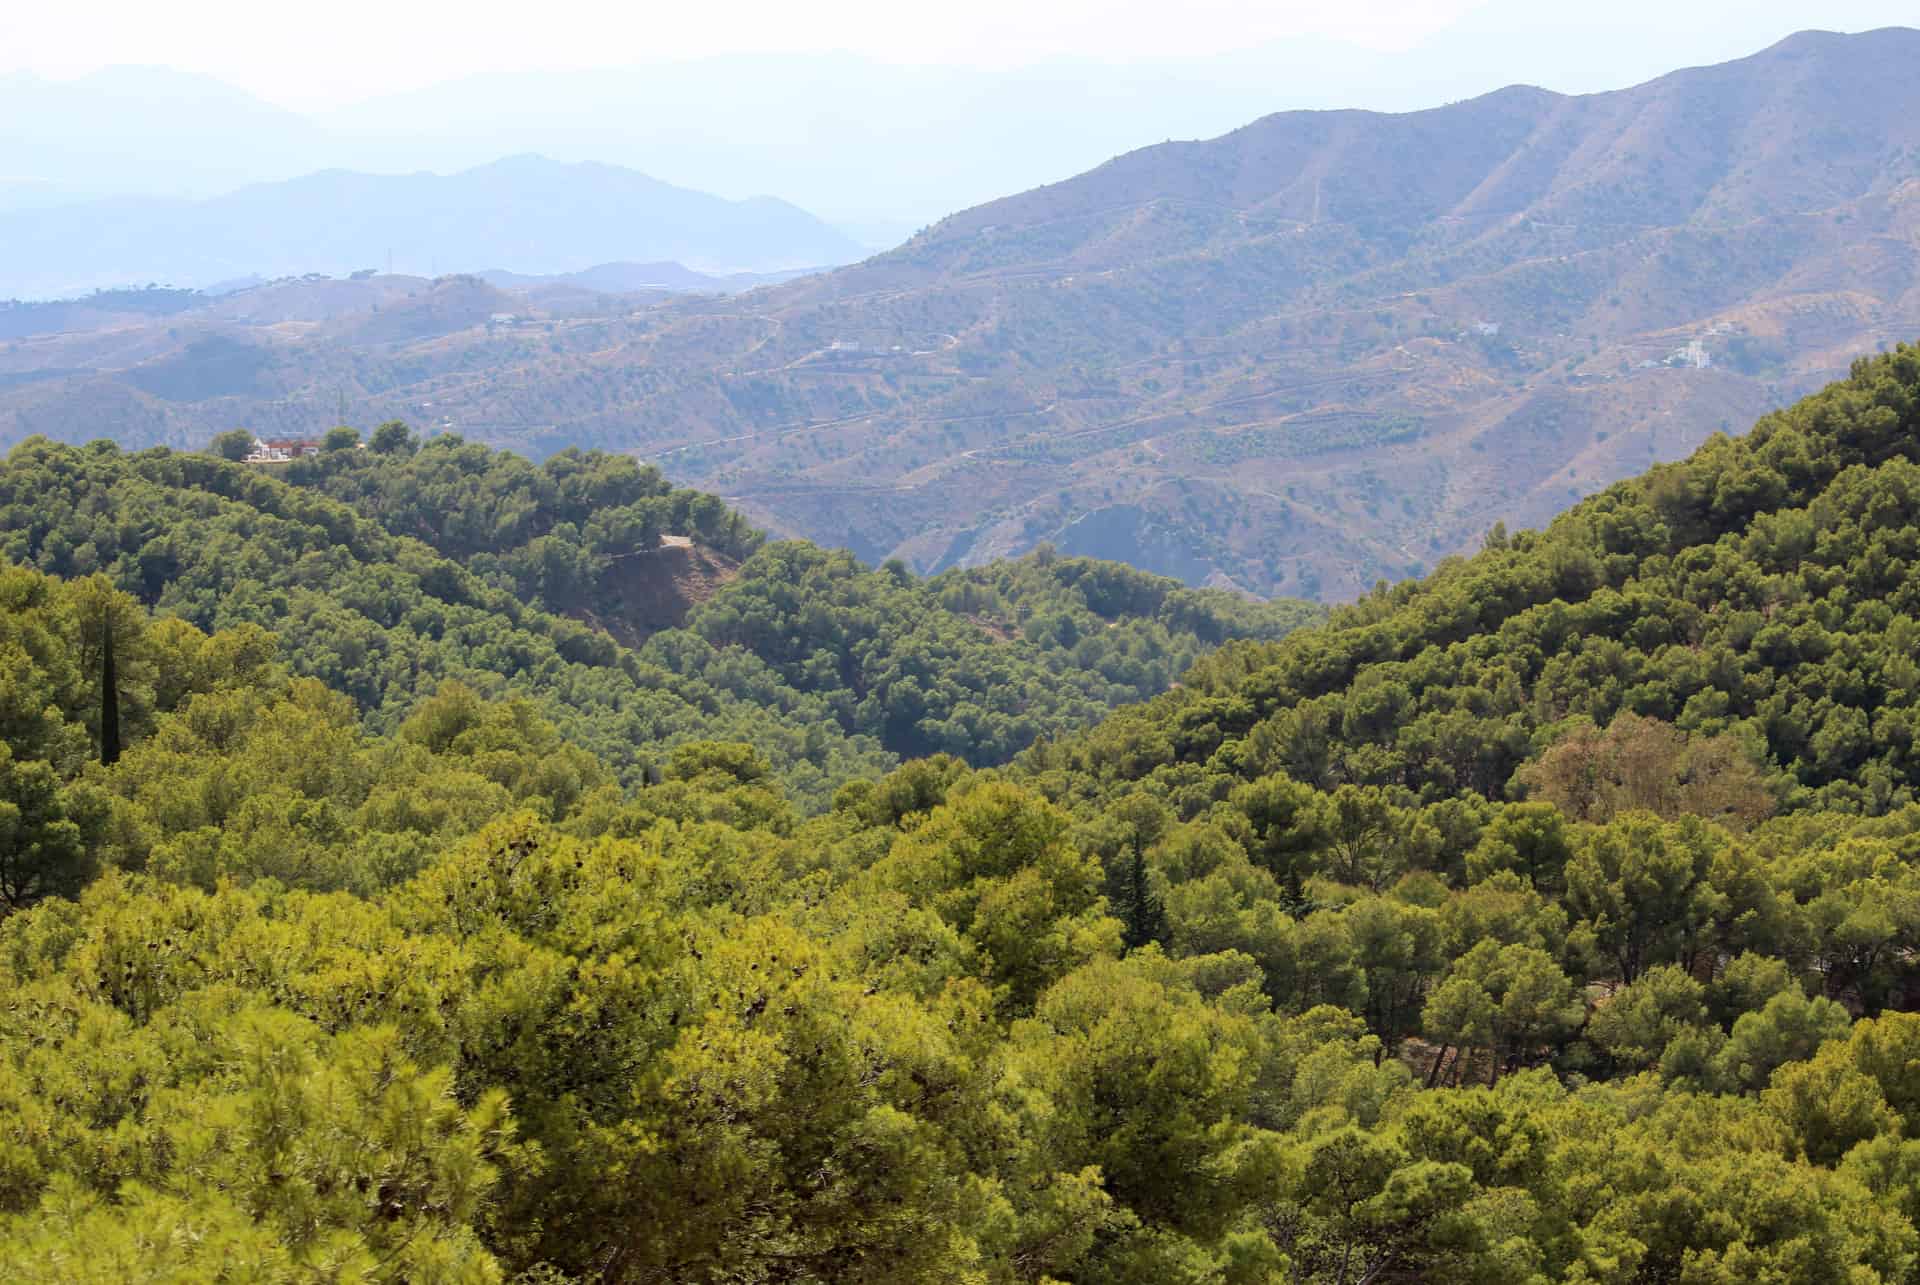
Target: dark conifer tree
[[1139, 905], [109, 696], [1293, 894]]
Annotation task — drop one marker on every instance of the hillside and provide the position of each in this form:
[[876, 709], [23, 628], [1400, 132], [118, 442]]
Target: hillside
[[541, 216], [1549, 919], [394, 570], [1761, 590], [1325, 348], [1332, 346], [974, 663]]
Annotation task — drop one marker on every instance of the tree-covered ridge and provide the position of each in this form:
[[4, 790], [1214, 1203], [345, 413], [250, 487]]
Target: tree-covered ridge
[[382, 619], [973, 663], [327, 557], [391, 569], [546, 531], [1763, 589], [919, 665]]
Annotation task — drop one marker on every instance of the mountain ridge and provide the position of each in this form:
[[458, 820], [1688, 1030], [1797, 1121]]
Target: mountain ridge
[[1890, 47], [1254, 249], [535, 214]]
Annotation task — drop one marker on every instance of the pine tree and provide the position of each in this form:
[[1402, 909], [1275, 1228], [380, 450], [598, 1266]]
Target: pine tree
[[109, 697]]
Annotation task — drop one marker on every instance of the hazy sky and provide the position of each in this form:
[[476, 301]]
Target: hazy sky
[[309, 56]]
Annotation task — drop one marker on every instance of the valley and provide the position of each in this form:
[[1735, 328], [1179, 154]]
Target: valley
[[1323, 350], [1333, 705]]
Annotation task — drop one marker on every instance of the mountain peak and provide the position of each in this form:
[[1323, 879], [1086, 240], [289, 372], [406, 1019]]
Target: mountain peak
[[1819, 39], [529, 163]]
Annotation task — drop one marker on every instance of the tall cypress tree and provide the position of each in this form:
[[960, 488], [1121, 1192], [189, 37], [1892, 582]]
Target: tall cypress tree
[[1141, 915], [109, 696]]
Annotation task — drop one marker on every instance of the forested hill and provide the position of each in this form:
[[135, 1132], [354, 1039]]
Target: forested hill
[[388, 571], [1554, 919], [1764, 589]]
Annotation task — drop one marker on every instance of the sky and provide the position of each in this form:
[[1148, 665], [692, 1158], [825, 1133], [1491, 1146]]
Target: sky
[[310, 57]]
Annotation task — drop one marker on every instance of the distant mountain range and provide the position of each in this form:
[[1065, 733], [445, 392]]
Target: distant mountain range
[[878, 149], [1329, 347], [526, 213], [143, 131], [1326, 348]]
